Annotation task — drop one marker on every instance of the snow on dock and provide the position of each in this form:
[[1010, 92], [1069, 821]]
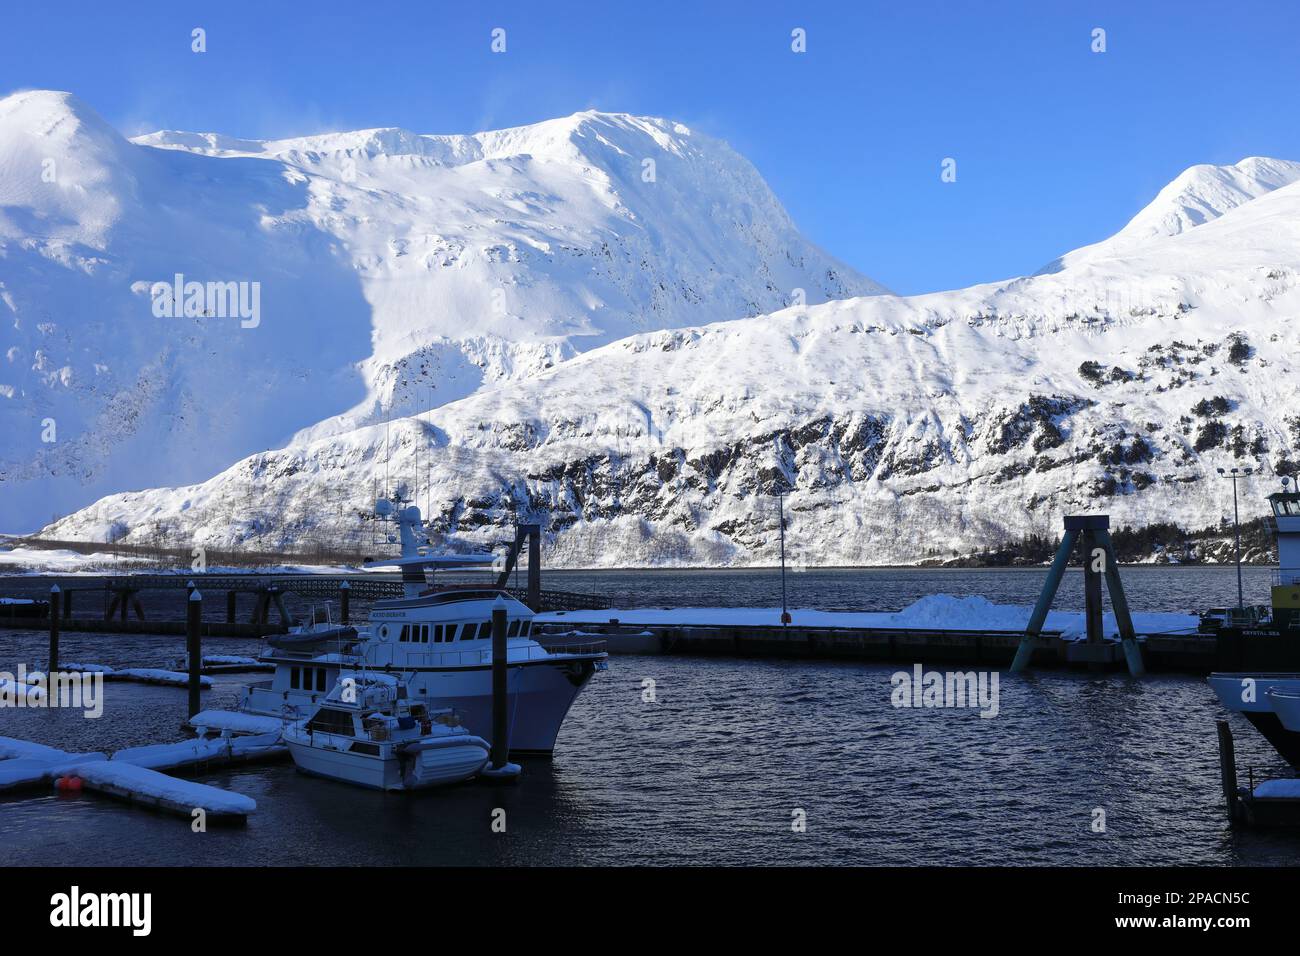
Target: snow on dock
[[143, 675], [203, 750], [140, 785], [234, 722], [154, 675], [35, 771], [939, 611], [133, 774], [70, 667], [11, 748]]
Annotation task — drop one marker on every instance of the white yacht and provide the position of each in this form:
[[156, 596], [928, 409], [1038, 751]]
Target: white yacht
[[438, 641], [367, 731]]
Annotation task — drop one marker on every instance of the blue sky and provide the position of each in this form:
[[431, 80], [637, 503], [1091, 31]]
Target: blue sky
[[1056, 146]]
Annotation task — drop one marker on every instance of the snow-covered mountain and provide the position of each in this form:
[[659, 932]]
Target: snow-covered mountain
[[394, 272], [1197, 195], [897, 428]]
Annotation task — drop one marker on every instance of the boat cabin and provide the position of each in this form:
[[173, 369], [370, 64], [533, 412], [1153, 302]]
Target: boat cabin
[[1286, 589]]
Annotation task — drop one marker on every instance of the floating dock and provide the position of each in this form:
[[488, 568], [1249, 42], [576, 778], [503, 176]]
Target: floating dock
[[134, 774]]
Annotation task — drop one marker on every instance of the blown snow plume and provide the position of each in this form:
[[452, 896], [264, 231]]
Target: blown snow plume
[[393, 272], [896, 428]]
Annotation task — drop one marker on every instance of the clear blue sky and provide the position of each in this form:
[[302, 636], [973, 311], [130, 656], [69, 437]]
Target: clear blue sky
[[1056, 146]]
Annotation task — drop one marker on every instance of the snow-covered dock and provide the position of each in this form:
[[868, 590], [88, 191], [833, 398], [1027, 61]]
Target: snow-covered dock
[[936, 628], [142, 675], [134, 774], [136, 784], [232, 721]]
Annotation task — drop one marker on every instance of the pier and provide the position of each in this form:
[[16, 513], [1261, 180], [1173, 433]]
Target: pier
[[997, 648], [259, 593]]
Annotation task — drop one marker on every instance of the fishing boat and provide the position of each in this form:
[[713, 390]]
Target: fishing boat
[[1270, 700], [369, 732], [438, 641]]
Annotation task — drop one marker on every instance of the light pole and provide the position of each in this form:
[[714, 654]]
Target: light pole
[[1235, 475], [785, 612]]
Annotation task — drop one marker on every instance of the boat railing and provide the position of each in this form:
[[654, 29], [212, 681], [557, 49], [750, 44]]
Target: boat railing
[[483, 655], [556, 648], [1286, 576]]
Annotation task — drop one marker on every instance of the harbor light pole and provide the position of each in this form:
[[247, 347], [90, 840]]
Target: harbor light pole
[[1236, 475], [785, 613]]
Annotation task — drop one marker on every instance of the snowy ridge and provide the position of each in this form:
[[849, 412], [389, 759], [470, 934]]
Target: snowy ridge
[[897, 428], [397, 272], [1198, 195]]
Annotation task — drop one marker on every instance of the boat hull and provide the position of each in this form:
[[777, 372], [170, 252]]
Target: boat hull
[[1270, 701], [418, 771]]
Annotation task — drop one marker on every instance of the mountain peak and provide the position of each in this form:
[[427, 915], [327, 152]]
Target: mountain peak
[[1197, 195]]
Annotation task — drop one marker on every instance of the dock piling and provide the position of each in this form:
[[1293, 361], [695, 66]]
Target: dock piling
[[54, 630], [499, 767], [1228, 769], [345, 595], [194, 647]]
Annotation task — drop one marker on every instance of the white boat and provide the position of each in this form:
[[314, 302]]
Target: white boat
[[1286, 704], [1262, 698], [367, 731], [439, 643]]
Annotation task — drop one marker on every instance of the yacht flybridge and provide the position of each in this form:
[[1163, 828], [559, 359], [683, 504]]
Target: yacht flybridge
[[438, 642]]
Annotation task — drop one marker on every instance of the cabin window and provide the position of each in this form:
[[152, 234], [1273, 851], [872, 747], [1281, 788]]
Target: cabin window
[[293, 677], [320, 678], [526, 629], [437, 633], [514, 629], [330, 721], [402, 638], [485, 630], [451, 633], [424, 634]]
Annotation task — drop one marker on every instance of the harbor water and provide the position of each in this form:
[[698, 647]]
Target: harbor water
[[726, 760]]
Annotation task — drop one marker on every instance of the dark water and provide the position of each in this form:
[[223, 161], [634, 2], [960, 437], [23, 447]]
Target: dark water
[[713, 770]]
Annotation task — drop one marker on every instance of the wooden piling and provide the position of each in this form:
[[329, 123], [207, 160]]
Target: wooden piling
[[230, 607], [1228, 769], [54, 630], [194, 646]]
